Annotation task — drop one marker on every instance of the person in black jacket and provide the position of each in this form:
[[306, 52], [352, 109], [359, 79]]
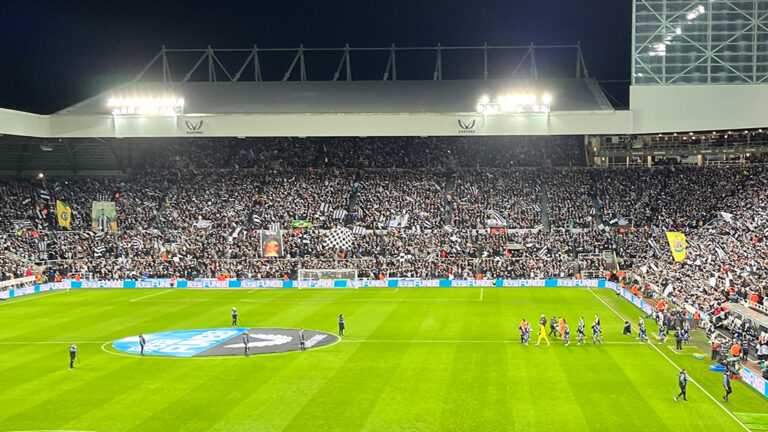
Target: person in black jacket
[[142, 342], [679, 339], [72, 355], [727, 384], [682, 381]]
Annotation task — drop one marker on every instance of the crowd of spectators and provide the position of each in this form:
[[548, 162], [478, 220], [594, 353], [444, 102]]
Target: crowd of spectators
[[197, 211]]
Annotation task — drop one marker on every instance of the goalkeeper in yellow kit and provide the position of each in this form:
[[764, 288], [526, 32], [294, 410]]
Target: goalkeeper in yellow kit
[[543, 330]]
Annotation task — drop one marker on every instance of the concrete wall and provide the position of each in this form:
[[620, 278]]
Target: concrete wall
[[659, 109]]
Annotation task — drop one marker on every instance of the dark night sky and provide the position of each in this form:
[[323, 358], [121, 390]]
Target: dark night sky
[[56, 53]]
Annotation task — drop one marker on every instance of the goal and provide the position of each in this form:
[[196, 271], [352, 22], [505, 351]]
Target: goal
[[327, 274]]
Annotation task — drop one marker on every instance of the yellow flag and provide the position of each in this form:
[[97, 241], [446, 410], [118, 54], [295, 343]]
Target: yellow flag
[[64, 214], [677, 244]]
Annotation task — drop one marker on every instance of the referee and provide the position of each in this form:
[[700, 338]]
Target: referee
[[142, 342], [72, 355], [682, 381], [234, 317], [341, 325]]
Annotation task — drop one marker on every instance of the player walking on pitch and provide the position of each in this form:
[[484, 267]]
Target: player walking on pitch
[[543, 330], [245, 342], [596, 334], [302, 342], [234, 317], [682, 381], [566, 333], [580, 331], [643, 336], [341, 325]]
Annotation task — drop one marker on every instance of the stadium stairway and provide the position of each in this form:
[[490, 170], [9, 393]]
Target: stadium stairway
[[450, 187], [544, 204], [24, 262]]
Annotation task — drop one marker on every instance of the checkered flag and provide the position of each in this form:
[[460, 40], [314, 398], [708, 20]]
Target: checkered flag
[[339, 238]]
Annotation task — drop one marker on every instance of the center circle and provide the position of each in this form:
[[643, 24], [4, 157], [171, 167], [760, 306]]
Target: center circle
[[223, 342]]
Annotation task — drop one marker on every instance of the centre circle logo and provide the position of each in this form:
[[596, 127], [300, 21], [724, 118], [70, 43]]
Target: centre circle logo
[[223, 342]]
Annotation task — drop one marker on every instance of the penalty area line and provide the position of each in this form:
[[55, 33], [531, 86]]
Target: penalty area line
[[676, 366], [13, 300]]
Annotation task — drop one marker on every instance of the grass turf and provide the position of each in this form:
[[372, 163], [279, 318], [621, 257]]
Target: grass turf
[[415, 359]]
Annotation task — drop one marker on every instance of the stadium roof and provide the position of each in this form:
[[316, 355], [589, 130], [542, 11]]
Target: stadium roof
[[229, 102], [277, 97]]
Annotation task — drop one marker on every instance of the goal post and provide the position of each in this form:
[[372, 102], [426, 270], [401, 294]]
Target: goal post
[[327, 274]]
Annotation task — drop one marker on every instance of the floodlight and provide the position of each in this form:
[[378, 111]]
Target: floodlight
[[148, 105]]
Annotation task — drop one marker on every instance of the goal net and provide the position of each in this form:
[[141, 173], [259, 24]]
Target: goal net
[[327, 274]]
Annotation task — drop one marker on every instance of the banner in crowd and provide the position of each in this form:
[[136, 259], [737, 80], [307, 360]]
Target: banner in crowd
[[21, 224], [300, 224], [677, 244], [202, 224], [63, 213], [271, 244], [400, 221], [496, 220], [104, 216]]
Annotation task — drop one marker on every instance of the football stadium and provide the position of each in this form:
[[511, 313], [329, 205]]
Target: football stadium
[[440, 237]]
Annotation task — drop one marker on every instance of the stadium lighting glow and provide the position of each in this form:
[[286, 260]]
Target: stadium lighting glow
[[151, 105], [514, 103]]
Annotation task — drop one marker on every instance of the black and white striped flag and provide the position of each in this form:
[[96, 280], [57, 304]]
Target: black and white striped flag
[[473, 190], [427, 225], [416, 229], [325, 208], [44, 195], [26, 201], [274, 227], [98, 250], [339, 214], [102, 197], [358, 230]]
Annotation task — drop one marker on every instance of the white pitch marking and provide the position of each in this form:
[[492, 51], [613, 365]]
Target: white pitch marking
[[481, 293], [396, 289], [676, 366], [50, 342], [152, 295], [458, 341], [31, 297]]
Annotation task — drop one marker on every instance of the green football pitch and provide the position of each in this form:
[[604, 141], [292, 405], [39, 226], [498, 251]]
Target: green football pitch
[[415, 359]]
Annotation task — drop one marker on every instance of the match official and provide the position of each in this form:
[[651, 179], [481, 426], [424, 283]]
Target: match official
[[682, 381], [234, 317], [341, 325], [302, 342], [142, 342], [245, 342], [72, 355]]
